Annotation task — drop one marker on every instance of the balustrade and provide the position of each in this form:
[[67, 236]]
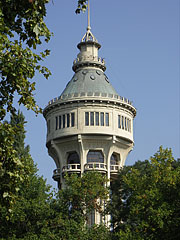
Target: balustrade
[[95, 166], [114, 168], [71, 168]]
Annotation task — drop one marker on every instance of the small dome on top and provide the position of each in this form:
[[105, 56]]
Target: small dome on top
[[89, 80]]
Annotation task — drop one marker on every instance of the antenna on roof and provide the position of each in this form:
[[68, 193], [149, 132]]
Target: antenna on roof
[[89, 27], [88, 35]]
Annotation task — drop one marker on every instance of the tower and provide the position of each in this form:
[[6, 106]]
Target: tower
[[89, 126]]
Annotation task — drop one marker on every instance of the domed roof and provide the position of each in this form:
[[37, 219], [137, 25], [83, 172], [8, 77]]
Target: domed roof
[[89, 80]]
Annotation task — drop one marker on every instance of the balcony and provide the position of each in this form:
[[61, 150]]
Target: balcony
[[71, 168], [101, 167], [114, 168], [56, 174]]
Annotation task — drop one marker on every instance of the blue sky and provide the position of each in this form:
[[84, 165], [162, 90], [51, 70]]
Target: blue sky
[[140, 44]]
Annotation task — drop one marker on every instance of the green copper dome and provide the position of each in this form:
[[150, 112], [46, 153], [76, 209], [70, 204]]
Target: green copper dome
[[89, 81]]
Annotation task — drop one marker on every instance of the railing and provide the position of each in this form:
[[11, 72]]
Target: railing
[[114, 168], [56, 174], [89, 58], [87, 94], [71, 168], [95, 166]]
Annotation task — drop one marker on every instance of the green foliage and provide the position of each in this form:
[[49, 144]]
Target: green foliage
[[82, 193], [22, 27], [73, 205], [146, 199], [82, 5], [23, 194], [28, 211], [98, 232], [36, 213]]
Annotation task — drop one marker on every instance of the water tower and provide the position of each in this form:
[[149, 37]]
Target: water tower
[[89, 126]]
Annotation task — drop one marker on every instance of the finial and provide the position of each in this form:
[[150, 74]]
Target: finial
[[88, 35], [89, 27]]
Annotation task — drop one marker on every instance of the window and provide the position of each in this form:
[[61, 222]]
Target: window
[[119, 121], [107, 119], [114, 159], [95, 156], [129, 125], [64, 121], [122, 122], [125, 123], [102, 119], [73, 158], [68, 120], [48, 126], [97, 119], [92, 218], [72, 119], [59, 122], [92, 119], [56, 123], [86, 118]]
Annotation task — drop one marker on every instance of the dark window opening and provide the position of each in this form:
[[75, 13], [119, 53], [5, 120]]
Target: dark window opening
[[119, 121], [48, 126], [122, 118], [114, 159], [73, 158], [97, 118], [56, 123], [92, 118], [72, 119], [86, 118], [68, 120], [102, 119], [107, 119], [64, 121], [125, 123], [95, 156], [59, 122]]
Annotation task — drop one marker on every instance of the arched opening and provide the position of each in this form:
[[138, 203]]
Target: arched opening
[[114, 162], [114, 159], [73, 163], [95, 157], [95, 161], [73, 158]]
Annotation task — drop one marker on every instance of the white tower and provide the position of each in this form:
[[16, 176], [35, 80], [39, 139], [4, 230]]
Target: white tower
[[89, 126]]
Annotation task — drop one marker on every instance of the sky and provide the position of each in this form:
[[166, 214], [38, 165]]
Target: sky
[[140, 44]]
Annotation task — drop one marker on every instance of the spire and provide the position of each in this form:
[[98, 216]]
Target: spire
[[88, 36], [89, 46], [89, 26]]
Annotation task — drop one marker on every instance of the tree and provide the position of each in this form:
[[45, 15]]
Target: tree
[[22, 29], [23, 202], [82, 5], [146, 199], [28, 209], [73, 205]]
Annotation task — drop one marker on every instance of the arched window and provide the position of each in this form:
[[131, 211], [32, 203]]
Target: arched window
[[73, 158], [95, 156], [114, 159]]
